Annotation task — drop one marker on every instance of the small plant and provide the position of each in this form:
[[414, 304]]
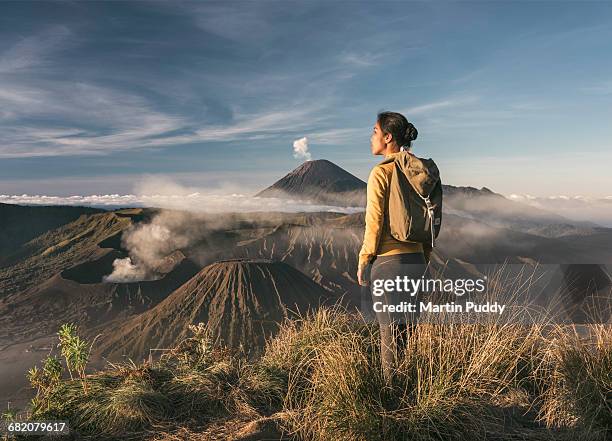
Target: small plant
[[52, 369], [197, 351], [202, 337], [45, 380], [74, 350], [9, 415]]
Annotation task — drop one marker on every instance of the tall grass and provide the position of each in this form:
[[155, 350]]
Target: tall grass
[[579, 381], [320, 378], [447, 384]]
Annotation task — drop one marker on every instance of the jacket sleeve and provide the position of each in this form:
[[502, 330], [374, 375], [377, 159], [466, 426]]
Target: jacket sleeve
[[374, 215]]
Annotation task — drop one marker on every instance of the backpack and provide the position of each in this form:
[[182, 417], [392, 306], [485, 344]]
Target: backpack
[[415, 199]]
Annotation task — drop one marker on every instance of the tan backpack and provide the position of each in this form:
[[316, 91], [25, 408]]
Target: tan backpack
[[415, 198]]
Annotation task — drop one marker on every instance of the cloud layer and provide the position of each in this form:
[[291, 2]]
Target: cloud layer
[[165, 193]]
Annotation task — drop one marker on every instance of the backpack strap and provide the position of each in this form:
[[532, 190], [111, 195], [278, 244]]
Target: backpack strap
[[430, 213]]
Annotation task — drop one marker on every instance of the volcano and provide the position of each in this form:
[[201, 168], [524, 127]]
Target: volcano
[[242, 300], [320, 181]]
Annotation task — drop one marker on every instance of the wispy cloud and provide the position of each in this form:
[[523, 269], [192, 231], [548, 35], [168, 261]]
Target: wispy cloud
[[106, 120], [237, 22], [337, 136], [476, 111], [101, 120], [59, 117], [34, 50], [43, 117], [434, 106], [599, 88], [361, 59]]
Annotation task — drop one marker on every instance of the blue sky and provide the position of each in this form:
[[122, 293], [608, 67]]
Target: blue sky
[[515, 96]]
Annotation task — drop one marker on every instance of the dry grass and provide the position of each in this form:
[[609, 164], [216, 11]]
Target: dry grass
[[448, 384], [320, 378], [578, 375]]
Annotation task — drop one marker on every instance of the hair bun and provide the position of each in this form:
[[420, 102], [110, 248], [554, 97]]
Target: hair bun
[[411, 133]]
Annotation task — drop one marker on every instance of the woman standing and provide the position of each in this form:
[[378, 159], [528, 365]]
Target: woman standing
[[389, 257]]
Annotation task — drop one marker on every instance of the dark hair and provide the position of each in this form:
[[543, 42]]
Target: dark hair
[[397, 125]]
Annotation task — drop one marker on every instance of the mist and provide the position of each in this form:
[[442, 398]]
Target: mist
[[577, 208], [186, 219]]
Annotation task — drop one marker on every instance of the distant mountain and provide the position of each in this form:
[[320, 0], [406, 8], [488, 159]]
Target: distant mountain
[[243, 300], [320, 181], [19, 224], [498, 211]]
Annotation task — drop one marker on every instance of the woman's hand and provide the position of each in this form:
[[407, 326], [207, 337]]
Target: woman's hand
[[360, 276]]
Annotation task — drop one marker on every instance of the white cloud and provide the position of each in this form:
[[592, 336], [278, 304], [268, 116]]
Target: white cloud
[[361, 59], [126, 121], [339, 136]]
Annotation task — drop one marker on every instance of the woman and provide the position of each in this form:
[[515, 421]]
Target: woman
[[389, 257]]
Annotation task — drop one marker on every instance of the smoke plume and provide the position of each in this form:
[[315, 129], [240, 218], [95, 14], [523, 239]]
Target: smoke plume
[[150, 243], [300, 149]]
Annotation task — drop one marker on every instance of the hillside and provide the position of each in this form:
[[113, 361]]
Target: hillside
[[61, 248], [19, 224], [55, 275], [78, 295]]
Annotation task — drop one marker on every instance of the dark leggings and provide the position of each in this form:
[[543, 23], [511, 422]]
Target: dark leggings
[[395, 328], [393, 342]]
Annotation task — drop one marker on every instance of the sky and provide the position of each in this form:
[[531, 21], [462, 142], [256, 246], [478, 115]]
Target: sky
[[97, 96]]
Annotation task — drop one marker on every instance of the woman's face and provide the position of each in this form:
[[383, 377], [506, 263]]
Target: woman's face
[[378, 143]]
